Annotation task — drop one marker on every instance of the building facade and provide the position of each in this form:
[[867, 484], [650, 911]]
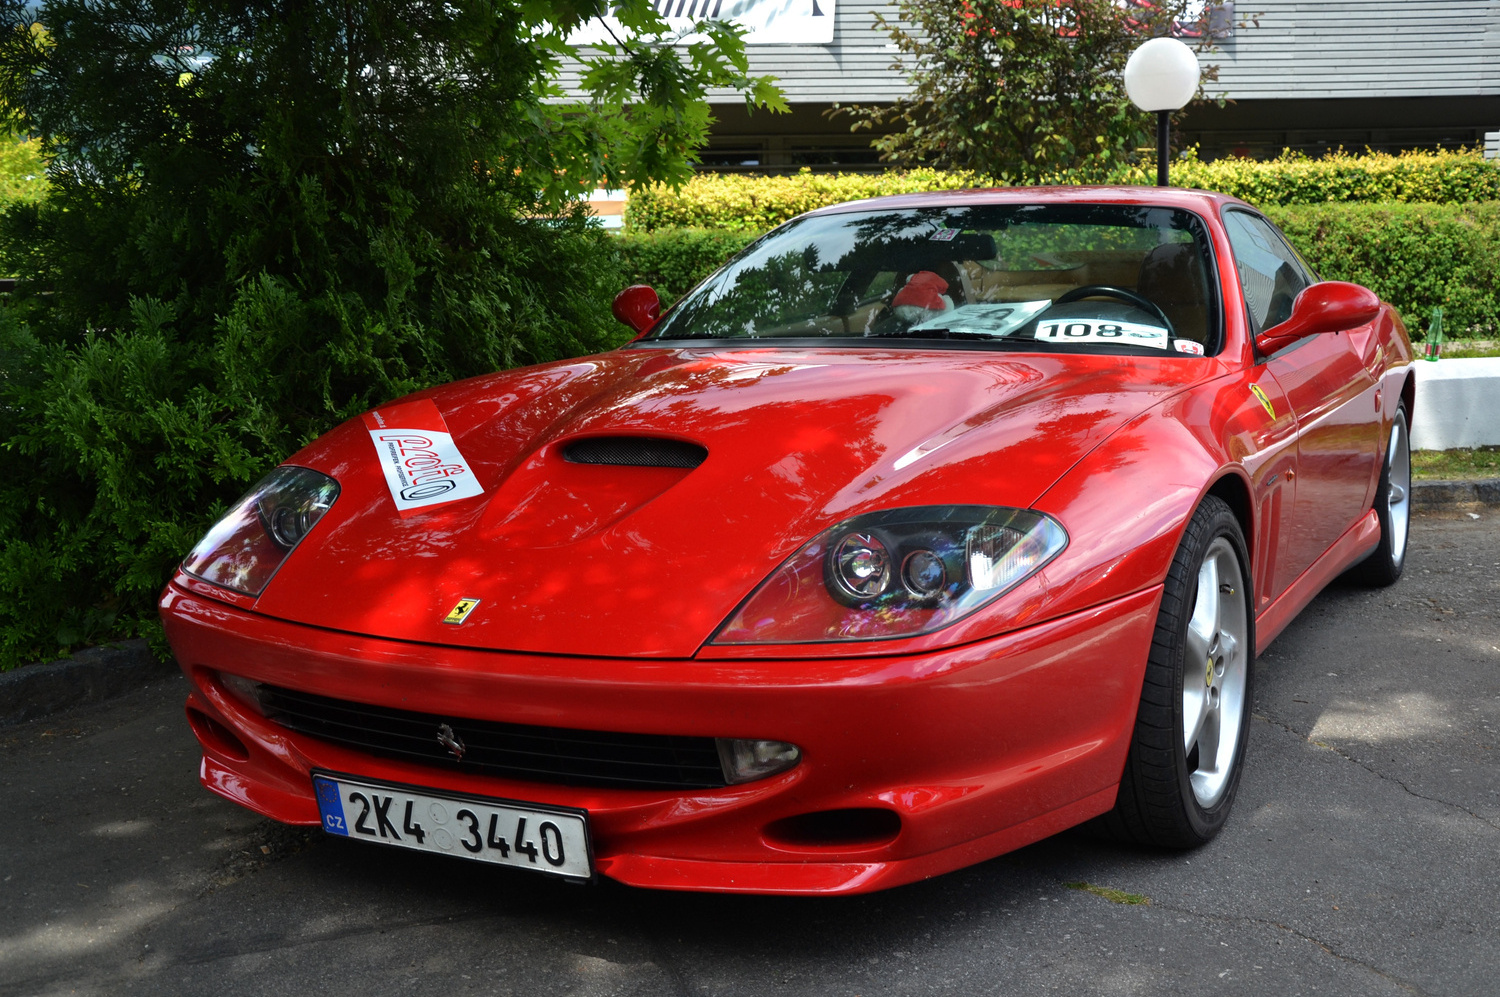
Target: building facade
[[1310, 75]]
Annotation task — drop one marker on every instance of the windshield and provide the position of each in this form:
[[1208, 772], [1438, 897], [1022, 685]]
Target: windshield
[[1105, 278]]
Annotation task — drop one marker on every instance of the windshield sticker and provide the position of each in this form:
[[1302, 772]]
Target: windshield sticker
[[1188, 346], [1077, 330], [421, 463], [945, 235], [987, 319]]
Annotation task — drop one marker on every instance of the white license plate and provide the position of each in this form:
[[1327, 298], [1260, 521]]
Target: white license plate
[[525, 835]]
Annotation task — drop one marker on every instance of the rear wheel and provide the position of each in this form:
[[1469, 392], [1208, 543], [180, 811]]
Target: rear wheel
[[1393, 506], [1191, 730]]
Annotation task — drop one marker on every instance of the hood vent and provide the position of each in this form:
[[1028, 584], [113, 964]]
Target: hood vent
[[635, 451]]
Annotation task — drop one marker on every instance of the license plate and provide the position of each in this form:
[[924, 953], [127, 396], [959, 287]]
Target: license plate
[[524, 835]]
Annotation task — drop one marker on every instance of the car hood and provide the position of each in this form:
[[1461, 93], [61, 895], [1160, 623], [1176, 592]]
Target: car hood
[[607, 560]]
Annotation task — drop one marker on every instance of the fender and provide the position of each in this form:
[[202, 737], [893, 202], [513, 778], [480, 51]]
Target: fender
[[1139, 488]]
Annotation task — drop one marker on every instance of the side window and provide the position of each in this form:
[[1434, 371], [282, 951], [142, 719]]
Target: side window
[[1271, 275]]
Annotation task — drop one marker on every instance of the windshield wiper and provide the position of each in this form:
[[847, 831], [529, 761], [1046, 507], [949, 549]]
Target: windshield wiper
[[939, 333]]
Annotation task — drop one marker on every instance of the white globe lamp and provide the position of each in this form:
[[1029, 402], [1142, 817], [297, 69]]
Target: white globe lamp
[[1162, 76]]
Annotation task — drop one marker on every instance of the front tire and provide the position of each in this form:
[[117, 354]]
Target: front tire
[[1192, 727], [1393, 506]]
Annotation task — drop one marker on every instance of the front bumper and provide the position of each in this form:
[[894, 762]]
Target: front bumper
[[977, 749]]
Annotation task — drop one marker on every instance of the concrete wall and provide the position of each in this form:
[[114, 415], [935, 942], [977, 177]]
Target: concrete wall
[[1458, 404]]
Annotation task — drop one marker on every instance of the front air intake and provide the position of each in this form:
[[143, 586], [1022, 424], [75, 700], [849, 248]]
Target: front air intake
[[510, 751], [635, 451]]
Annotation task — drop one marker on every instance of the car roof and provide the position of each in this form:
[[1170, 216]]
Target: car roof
[[1202, 201]]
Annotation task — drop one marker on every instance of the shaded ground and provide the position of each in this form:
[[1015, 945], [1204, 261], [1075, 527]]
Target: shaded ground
[[1363, 858]]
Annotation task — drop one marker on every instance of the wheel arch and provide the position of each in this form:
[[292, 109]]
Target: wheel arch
[[1235, 491]]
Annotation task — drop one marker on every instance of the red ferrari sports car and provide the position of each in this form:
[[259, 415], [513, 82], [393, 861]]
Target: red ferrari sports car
[[927, 527]]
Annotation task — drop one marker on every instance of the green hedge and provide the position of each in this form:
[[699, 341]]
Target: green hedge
[[754, 204], [23, 172], [1371, 178], [746, 203], [1413, 255], [673, 260]]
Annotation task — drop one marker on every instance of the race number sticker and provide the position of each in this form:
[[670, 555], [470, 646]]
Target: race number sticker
[[422, 466], [1081, 330]]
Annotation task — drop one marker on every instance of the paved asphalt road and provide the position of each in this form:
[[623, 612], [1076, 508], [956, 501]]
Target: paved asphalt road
[[1363, 858]]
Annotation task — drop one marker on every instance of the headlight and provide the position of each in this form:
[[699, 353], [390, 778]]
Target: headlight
[[245, 548], [896, 573]]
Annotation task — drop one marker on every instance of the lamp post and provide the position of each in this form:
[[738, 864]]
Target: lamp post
[[1162, 76]]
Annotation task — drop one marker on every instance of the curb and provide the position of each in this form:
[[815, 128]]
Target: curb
[[1441, 496], [89, 676]]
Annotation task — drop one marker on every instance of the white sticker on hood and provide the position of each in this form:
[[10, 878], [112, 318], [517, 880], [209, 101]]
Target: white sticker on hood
[[421, 463]]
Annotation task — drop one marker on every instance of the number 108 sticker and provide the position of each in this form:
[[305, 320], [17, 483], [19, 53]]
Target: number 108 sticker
[[1102, 331]]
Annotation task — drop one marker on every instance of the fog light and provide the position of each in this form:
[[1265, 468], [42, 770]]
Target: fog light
[[745, 760], [244, 690]]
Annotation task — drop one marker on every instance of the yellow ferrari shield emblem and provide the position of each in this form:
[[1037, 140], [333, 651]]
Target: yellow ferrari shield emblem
[[1265, 402], [461, 612]]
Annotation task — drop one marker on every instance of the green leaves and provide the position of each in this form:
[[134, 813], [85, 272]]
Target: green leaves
[[643, 114], [1417, 256], [266, 217], [754, 204]]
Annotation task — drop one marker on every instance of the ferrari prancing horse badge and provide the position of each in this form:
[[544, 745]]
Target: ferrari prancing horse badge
[[461, 612], [1265, 402]]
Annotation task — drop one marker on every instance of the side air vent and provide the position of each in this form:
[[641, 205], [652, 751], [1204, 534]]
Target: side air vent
[[635, 451]]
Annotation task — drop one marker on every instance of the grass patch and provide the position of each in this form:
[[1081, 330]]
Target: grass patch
[[1456, 465], [1456, 349], [1108, 893]]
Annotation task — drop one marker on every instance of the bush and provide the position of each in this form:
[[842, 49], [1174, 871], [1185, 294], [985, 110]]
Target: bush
[[23, 171], [754, 204], [1411, 177], [1416, 256], [746, 203], [235, 255], [673, 260]]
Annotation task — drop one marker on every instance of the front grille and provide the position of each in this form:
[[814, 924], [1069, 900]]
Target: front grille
[[635, 451], [515, 751]]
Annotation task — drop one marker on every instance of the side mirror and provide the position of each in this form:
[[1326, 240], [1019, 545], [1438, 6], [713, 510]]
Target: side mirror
[[1329, 306], [638, 307]]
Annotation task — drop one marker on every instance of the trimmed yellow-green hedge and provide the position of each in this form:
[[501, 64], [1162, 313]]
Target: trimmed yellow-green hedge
[[23, 173], [1414, 255], [741, 203], [1369, 178], [746, 203]]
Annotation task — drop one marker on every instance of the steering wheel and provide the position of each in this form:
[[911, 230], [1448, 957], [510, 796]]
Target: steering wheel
[[1119, 294]]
